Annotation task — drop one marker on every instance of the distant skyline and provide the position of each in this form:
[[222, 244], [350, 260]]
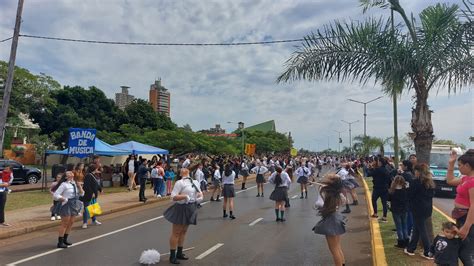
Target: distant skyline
[[213, 85]]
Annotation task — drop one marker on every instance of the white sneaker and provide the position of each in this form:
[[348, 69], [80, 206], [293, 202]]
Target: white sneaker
[[97, 222], [53, 218], [58, 217], [84, 226], [158, 196]]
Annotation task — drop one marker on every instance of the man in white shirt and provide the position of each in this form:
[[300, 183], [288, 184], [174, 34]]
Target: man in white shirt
[[187, 162]]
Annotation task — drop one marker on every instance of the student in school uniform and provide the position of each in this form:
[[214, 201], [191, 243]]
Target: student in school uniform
[[244, 171], [216, 181], [260, 170], [302, 174], [186, 195], [228, 191], [282, 182], [68, 192]]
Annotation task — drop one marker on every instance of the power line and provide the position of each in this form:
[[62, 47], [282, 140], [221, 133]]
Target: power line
[[7, 39], [159, 44]]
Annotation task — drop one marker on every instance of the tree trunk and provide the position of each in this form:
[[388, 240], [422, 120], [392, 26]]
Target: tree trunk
[[421, 125]]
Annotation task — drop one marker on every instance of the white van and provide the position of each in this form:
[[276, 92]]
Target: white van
[[439, 167]]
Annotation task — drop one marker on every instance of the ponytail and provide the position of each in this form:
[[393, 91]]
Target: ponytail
[[62, 180]]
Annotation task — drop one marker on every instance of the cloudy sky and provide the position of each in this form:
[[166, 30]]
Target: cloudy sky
[[211, 85]]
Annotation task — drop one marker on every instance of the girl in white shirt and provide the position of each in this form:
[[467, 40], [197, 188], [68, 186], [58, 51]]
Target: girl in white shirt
[[260, 171], [244, 171], [282, 182], [67, 192], [186, 195], [228, 192], [302, 174], [216, 181]]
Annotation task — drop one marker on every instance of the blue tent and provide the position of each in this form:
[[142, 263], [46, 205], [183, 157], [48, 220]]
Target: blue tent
[[101, 148], [134, 147]]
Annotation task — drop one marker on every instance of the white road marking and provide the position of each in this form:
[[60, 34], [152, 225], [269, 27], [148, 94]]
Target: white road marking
[[294, 197], [209, 251], [244, 190], [256, 221], [167, 253], [83, 241], [204, 203]]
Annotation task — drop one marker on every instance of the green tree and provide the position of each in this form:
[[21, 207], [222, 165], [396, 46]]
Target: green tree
[[435, 53]]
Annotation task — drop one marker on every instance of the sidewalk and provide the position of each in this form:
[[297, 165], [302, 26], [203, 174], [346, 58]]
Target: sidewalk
[[37, 218]]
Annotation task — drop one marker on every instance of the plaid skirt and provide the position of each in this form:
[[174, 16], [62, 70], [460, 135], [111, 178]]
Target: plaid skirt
[[72, 208], [332, 225], [181, 213], [302, 180], [279, 194], [228, 191], [260, 179]]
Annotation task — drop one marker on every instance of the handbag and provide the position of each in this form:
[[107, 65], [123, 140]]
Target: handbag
[[458, 213], [319, 202], [94, 208]]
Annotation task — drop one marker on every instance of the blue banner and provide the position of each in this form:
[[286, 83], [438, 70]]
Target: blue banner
[[81, 142]]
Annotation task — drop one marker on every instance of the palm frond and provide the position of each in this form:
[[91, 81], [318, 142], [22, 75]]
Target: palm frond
[[354, 52], [366, 4]]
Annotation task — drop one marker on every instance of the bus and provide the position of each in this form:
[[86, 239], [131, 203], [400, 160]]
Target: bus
[[439, 167]]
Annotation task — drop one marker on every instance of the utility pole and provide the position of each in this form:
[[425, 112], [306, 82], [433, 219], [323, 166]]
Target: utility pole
[[365, 111], [395, 115], [350, 131], [9, 82]]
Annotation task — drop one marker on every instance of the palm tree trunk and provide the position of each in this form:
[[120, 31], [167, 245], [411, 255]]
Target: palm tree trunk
[[421, 125]]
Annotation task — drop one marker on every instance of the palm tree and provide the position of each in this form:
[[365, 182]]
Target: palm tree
[[434, 54], [367, 144]]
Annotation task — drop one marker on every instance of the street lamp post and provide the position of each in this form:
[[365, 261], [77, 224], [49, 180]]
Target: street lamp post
[[365, 111], [350, 131], [339, 140]]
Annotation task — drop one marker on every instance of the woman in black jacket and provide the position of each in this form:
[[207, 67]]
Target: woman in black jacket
[[91, 191], [407, 173], [421, 194], [398, 196], [381, 179]]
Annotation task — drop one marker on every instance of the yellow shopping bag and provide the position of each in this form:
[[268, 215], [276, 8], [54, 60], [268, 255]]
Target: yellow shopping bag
[[94, 209]]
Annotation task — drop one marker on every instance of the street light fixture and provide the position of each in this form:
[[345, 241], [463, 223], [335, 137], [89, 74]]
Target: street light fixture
[[339, 140], [350, 131], [365, 111]]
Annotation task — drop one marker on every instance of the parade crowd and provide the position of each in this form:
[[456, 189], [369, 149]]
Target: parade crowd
[[406, 190]]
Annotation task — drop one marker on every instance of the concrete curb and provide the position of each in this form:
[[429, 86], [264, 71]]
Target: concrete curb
[[49, 224], [378, 251]]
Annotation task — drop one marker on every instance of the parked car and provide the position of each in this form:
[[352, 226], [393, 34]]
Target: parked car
[[439, 169], [21, 173]]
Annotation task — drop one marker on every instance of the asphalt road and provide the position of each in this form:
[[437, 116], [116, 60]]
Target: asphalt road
[[123, 236]]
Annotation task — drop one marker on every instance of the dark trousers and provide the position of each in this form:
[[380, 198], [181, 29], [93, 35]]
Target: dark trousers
[[383, 195], [3, 201], [419, 230], [466, 254], [141, 194]]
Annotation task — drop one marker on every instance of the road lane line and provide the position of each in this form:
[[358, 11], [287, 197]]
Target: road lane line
[[83, 241], [294, 197], [244, 190], [256, 221], [167, 253], [209, 251]]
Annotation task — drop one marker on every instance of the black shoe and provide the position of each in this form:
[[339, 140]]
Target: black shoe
[[244, 188], [212, 199], [258, 195], [225, 216], [346, 211], [282, 219], [278, 219], [65, 241], [306, 196], [61, 245], [174, 261], [232, 217], [182, 257], [301, 197], [400, 244], [355, 203], [262, 195]]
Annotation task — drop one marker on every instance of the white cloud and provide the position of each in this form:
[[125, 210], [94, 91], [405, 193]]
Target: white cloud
[[212, 85]]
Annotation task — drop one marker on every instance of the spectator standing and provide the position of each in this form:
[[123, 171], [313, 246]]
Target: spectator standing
[[169, 177], [421, 194], [398, 196], [56, 204], [142, 174], [91, 189], [381, 179], [3, 200], [464, 203], [131, 173]]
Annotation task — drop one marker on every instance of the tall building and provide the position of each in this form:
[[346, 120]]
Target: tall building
[[160, 98], [123, 99]]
